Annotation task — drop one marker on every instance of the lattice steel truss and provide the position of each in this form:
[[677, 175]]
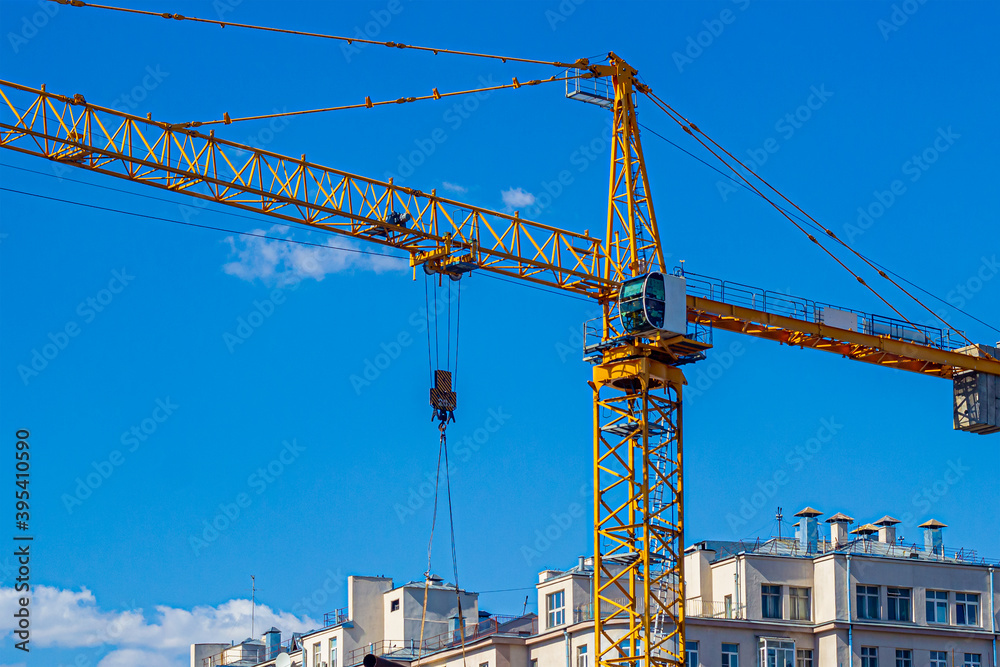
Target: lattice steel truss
[[638, 510]]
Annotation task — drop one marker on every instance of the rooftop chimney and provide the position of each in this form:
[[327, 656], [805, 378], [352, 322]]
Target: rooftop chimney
[[933, 539], [838, 529], [887, 529], [808, 529]]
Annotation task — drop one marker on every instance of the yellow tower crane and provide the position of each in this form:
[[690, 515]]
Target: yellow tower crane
[[652, 323]]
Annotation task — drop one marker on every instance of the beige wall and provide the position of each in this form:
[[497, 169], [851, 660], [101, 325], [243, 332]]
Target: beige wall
[[712, 634], [829, 590], [577, 593], [201, 651], [365, 609], [921, 643]]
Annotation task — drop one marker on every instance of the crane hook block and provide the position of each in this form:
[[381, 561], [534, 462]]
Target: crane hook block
[[443, 399]]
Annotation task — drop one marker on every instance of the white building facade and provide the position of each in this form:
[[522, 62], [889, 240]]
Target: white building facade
[[842, 601]]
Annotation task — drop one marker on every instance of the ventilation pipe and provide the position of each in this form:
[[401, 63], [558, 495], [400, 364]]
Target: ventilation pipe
[[838, 529], [933, 538], [887, 529], [808, 530]]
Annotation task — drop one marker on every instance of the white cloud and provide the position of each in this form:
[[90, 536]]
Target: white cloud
[[72, 619], [130, 657], [454, 187], [516, 198], [282, 263]]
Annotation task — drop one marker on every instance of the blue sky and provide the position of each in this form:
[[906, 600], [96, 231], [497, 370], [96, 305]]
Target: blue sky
[[158, 354]]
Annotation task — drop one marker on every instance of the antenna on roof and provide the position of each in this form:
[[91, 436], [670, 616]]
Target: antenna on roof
[[253, 601], [779, 517]]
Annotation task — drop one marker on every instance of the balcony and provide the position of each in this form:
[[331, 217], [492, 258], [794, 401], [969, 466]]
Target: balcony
[[695, 608]]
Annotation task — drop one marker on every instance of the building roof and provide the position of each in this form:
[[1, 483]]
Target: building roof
[[840, 517], [887, 521], [437, 584], [932, 523], [860, 546], [866, 529], [808, 512]]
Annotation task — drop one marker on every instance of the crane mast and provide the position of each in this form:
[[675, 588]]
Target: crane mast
[[637, 346], [638, 437]]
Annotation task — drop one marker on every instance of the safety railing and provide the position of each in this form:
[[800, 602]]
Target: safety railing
[[595, 90], [713, 609], [335, 617], [778, 303], [500, 624], [408, 649], [695, 607], [383, 648], [240, 655], [870, 546], [594, 341]]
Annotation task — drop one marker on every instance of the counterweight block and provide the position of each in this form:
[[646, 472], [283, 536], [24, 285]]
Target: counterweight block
[[977, 395]]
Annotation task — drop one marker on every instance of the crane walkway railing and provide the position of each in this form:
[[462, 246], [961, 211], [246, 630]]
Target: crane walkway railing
[[779, 303]]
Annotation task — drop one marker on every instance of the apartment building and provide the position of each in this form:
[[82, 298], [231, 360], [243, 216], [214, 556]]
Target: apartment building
[[865, 601], [847, 598]]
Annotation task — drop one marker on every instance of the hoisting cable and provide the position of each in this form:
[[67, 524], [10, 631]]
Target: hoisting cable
[[427, 326], [368, 104], [691, 128], [430, 545], [349, 40], [443, 403], [443, 397], [677, 118], [821, 226], [454, 552]]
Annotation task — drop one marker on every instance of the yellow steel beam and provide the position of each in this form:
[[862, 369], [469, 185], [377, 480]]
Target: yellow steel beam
[[75, 132], [880, 350]]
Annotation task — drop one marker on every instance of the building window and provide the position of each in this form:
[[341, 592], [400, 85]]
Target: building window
[[939, 659], [899, 604], [904, 658], [730, 655], [691, 654], [729, 606], [484, 664], [770, 601], [533, 662], [869, 656], [333, 652], [777, 652], [555, 605], [937, 606], [973, 660], [868, 602], [804, 657], [799, 604], [581, 656], [967, 608], [317, 653], [394, 605]]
